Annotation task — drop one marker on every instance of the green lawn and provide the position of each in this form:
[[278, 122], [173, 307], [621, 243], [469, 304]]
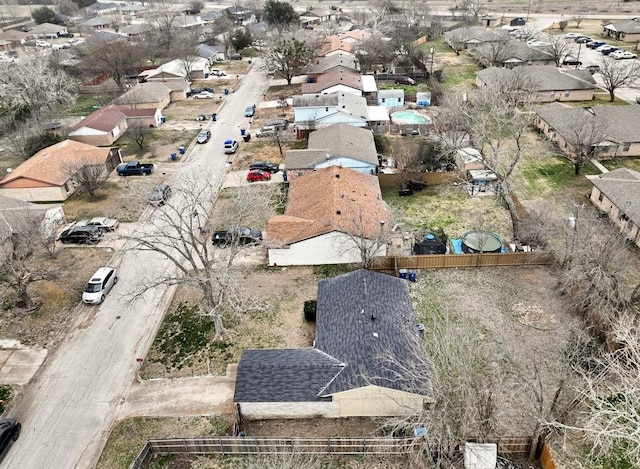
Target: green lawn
[[87, 103]]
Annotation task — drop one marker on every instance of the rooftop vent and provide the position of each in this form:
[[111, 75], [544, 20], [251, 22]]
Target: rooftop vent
[[338, 212]]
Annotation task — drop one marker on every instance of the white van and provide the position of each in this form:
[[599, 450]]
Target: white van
[[99, 285]]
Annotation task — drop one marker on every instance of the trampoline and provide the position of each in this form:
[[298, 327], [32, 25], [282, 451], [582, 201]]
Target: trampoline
[[480, 241]]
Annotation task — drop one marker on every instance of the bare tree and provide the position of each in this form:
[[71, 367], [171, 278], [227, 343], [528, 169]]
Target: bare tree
[[87, 177], [179, 231], [30, 86], [558, 47], [184, 49], [578, 19], [617, 74], [368, 237], [16, 253], [164, 21], [379, 10], [582, 139], [113, 59], [139, 132]]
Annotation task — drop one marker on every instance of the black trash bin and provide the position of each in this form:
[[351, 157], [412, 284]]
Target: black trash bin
[[246, 137]]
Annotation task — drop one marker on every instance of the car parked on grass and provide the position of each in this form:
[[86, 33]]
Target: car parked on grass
[[81, 235], [402, 80], [104, 223], [217, 72], [280, 124], [230, 146], [160, 195], [583, 40], [267, 131], [265, 166], [99, 285], [44, 44], [204, 95], [235, 56], [203, 136], [258, 175], [250, 111], [238, 235], [9, 434]]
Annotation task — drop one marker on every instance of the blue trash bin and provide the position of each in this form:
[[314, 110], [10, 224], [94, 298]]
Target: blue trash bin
[[284, 176], [163, 119], [214, 117], [402, 273], [412, 276], [182, 150], [226, 91], [243, 132], [174, 156], [250, 61]]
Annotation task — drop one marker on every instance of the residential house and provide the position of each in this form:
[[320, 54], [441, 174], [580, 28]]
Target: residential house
[[97, 23], [15, 38], [617, 193], [338, 145], [369, 89], [392, 98], [471, 37], [468, 159], [154, 94], [188, 21], [102, 36], [336, 80], [618, 126], [239, 13], [312, 111], [136, 29], [211, 16], [335, 45], [423, 98], [131, 10], [544, 83], [177, 69], [624, 30], [105, 126], [512, 54], [355, 36], [48, 31], [330, 213], [211, 53], [340, 60], [366, 359], [15, 212], [491, 20], [101, 8], [47, 175]]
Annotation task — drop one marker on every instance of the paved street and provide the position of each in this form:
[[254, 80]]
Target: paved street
[[67, 411]]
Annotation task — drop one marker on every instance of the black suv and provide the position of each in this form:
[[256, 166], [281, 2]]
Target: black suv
[[237, 235], [265, 166], [9, 432], [81, 235]]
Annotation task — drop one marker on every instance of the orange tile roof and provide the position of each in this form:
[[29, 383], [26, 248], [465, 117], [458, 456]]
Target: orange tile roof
[[330, 199], [48, 165]]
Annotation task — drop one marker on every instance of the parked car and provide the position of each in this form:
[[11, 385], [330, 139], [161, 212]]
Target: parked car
[[622, 54], [591, 68], [204, 95], [609, 51], [583, 40], [604, 47], [99, 285], [235, 56], [135, 168], [9, 433], [230, 146], [65, 34], [595, 44], [239, 235], [159, 195], [405, 81], [572, 36], [203, 136], [44, 44], [81, 235], [217, 72], [571, 61], [257, 175], [265, 166], [250, 111], [104, 223], [266, 131], [280, 124]]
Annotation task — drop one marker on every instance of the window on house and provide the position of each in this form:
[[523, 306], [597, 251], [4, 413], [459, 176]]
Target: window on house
[[567, 94], [384, 100], [626, 146], [399, 100], [601, 197]]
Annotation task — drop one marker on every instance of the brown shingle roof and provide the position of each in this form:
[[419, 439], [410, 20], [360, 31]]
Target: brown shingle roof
[[107, 118], [334, 43], [48, 165], [330, 199], [333, 77]]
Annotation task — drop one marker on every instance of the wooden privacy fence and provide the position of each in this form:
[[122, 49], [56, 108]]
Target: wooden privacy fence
[[239, 446], [443, 261]]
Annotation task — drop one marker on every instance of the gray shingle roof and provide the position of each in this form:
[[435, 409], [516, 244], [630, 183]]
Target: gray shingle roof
[[622, 188], [513, 52], [542, 77], [618, 123], [304, 159], [345, 140], [363, 318], [284, 375], [322, 64], [347, 103], [631, 26]]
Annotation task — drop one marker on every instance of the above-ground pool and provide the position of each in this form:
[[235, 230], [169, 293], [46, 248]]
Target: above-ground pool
[[409, 117]]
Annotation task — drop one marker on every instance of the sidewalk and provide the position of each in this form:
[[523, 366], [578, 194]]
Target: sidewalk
[[17, 363]]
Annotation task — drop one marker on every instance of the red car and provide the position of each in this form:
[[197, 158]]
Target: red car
[[258, 175]]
